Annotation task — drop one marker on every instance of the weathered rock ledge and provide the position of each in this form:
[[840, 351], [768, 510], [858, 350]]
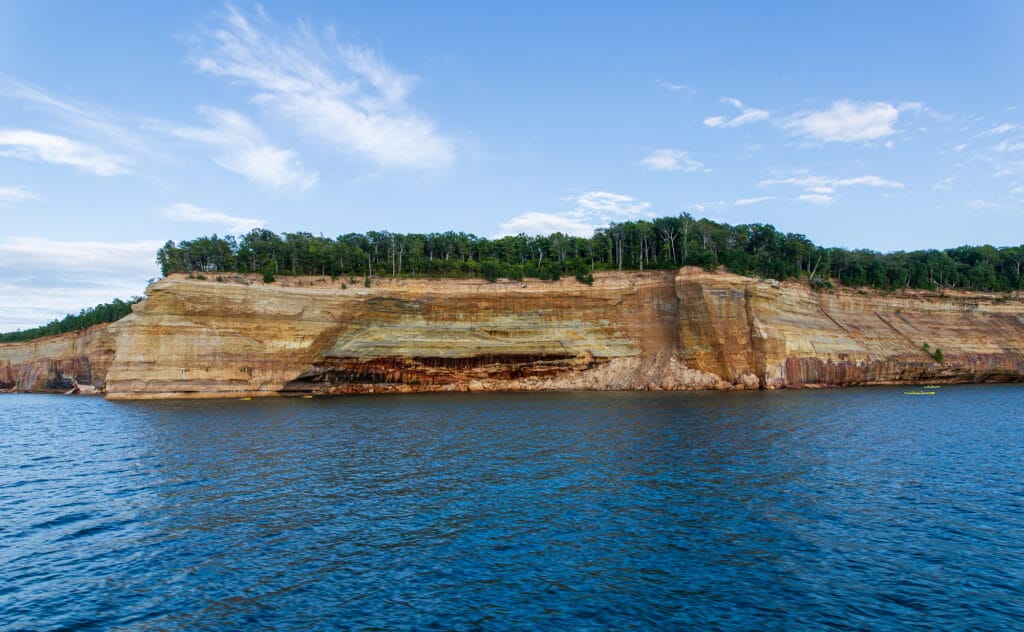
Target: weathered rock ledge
[[684, 330]]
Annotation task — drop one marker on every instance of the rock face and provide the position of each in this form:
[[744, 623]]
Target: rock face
[[790, 336], [638, 330], [58, 363], [207, 339]]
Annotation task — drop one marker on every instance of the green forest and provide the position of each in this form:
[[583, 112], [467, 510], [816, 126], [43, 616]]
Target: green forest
[[665, 243], [103, 313]]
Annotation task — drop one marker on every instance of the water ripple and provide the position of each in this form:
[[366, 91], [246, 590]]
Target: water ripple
[[844, 509]]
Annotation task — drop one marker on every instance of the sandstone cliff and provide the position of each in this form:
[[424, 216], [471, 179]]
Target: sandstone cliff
[[304, 336], [58, 363], [788, 335], [638, 330]]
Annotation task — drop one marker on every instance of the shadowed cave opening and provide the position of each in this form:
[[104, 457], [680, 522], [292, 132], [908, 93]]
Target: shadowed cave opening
[[434, 371], [62, 376]]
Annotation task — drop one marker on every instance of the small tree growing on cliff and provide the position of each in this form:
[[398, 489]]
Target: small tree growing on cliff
[[490, 269], [936, 355]]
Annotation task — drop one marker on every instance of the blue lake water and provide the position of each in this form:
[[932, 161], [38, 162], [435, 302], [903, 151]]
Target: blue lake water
[[853, 508]]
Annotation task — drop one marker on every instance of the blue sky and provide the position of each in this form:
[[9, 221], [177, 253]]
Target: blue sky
[[889, 126]]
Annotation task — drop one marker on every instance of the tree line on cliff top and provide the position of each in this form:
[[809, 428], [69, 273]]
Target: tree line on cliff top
[[663, 243], [657, 244], [102, 313]]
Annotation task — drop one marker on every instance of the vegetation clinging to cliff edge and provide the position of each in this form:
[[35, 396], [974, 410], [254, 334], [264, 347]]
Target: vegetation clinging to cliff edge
[[752, 249], [102, 313], [664, 243]]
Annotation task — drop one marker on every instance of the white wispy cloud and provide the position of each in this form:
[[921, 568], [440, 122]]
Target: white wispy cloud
[[183, 212], [822, 184], [746, 115], [999, 130], [917, 107], [689, 91], [1009, 146], [544, 224], [391, 85], [848, 122], [816, 198], [92, 122], [591, 210], [344, 95], [38, 285], [980, 206], [672, 160], [610, 206], [245, 150], [1012, 168], [753, 200], [1002, 157], [869, 181], [15, 195], [944, 184], [59, 150], [822, 189]]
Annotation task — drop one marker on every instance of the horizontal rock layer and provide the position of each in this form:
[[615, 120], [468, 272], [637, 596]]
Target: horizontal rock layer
[[639, 330], [205, 338], [788, 335], [58, 363]]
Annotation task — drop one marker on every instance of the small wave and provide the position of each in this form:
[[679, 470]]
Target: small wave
[[95, 530], [66, 519]]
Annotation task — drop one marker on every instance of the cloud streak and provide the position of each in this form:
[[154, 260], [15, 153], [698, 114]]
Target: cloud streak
[[821, 189], [816, 198], [183, 212], [847, 122], [591, 210], [753, 200], [39, 284], [84, 119], [687, 90], [15, 195], [245, 150], [343, 95], [672, 160], [58, 150], [999, 130], [746, 115], [1009, 146]]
